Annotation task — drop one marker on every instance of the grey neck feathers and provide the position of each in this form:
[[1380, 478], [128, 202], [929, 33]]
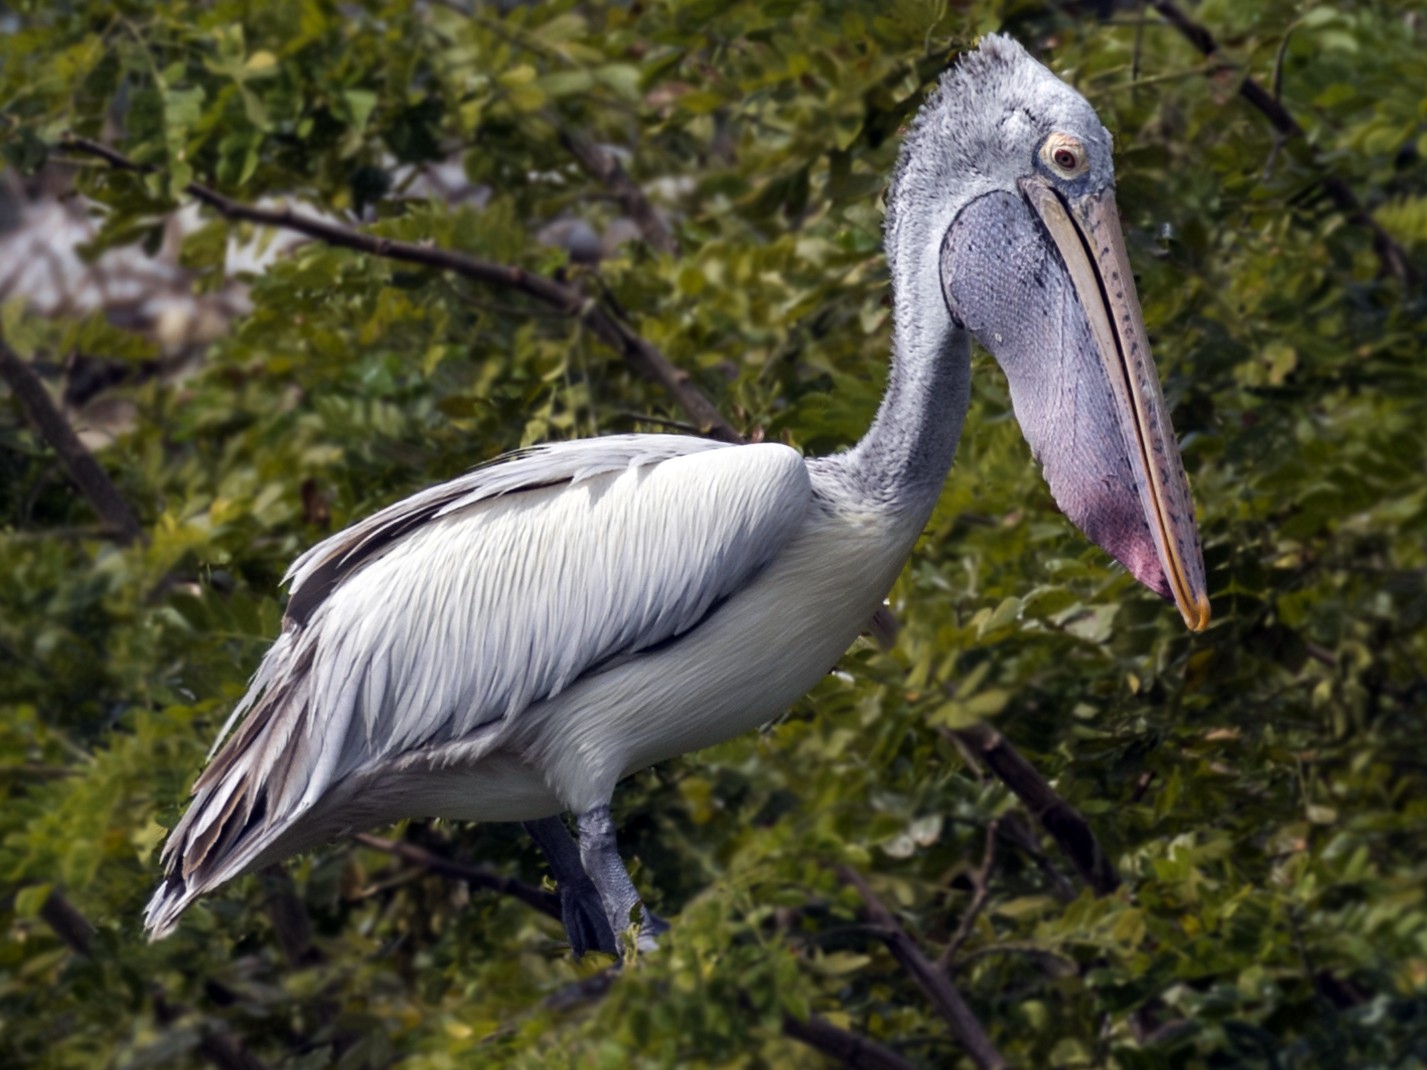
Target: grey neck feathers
[[965, 141], [903, 459]]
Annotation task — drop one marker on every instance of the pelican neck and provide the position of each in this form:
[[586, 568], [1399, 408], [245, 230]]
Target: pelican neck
[[902, 461]]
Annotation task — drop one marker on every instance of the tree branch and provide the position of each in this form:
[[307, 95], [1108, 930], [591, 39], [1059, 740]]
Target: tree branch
[[1391, 255], [72, 927], [643, 356], [604, 166], [965, 1027], [1065, 824], [83, 470], [538, 898], [861, 1053], [981, 890]]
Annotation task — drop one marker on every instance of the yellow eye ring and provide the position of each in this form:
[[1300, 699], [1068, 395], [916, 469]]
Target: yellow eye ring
[[1065, 155]]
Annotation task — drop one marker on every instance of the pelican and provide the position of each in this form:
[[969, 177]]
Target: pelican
[[508, 645]]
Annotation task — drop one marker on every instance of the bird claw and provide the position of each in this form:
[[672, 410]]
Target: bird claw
[[650, 929]]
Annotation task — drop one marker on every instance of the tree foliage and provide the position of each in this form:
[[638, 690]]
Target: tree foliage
[[1260, 788]]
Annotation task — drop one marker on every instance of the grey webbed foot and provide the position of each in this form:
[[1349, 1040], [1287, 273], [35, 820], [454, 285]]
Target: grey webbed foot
[[581, 908], [600, 854], [584, 918]]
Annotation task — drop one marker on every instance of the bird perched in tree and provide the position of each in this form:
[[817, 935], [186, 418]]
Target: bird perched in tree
[[507, 646]]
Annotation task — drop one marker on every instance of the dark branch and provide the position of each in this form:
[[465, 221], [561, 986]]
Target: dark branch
[[529, 894], [93, 482], [603, 166], [658, 421], [641, 354], [1390, 254], [965, 1027], [850, 1049], [72, 927], [1065, 824]]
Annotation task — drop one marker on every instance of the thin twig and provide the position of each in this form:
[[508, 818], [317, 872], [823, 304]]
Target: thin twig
[[529, 894], [981, 891], [583, 992], [965, 1027], [1391, 255], [511, 35], [639, 352], [859, 1052], [1065, 966], [658, 421], [1142, 785], [603, 165], [1065, 824], [377, 888], [91, 479]]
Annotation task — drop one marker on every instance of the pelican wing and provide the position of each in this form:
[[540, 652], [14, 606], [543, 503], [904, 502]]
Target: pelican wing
[[443, 615]]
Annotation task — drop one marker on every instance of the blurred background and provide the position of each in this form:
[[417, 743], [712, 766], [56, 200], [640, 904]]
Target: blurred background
[[188, 402]]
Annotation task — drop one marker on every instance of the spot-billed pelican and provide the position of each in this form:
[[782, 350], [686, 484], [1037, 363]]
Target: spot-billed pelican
[[507, 646]]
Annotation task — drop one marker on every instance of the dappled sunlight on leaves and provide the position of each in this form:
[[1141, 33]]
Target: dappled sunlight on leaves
[[1260, 787]]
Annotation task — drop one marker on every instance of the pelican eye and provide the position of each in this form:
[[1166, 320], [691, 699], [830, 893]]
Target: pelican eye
[[1065, 155]]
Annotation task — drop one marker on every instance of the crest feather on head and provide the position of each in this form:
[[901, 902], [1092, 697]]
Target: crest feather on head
[[980, 128]]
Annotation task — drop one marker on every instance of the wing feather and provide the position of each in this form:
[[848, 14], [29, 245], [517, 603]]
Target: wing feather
[[459, 607]]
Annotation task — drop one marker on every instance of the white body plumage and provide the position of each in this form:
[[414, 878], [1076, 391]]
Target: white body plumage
[[509, 645]]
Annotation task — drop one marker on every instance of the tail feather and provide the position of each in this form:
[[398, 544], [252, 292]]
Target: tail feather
[[238, 850], [170, 899], [243, 802]]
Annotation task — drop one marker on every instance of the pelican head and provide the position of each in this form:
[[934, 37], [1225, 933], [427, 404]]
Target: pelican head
[[1005, 194]]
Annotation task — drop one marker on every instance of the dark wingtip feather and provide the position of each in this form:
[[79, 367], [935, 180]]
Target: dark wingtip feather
[[169, 900]]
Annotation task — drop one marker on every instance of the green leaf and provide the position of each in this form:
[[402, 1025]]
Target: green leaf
[[31, 899]]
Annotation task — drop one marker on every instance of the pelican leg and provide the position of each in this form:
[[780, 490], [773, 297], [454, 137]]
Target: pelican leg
[[581, 908], [600, 854]]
